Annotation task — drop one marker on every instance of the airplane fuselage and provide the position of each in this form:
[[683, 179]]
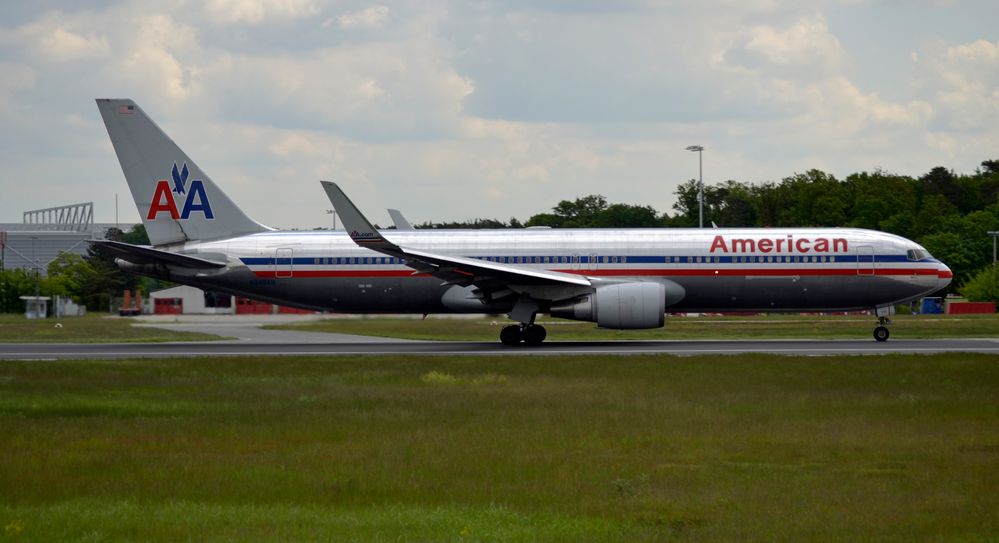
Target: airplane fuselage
[[799, 269]]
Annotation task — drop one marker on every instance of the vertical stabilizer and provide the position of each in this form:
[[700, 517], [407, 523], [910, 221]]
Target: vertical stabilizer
[[176, 200]]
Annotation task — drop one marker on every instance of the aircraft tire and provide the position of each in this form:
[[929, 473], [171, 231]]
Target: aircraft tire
[[535, 334], [510, 335], [881, 334]]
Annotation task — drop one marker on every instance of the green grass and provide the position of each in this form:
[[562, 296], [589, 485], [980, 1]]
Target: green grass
[[93, 328], [635, 448], [753, 327]]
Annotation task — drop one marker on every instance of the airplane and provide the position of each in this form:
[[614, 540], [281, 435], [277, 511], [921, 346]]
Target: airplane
[[616, 278]]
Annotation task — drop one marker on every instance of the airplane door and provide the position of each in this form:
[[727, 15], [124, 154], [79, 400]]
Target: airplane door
[[575, 262], [865, 260], [592, 261], [283, 262]]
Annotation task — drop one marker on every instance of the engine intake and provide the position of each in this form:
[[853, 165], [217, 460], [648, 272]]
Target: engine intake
[[621, 306]]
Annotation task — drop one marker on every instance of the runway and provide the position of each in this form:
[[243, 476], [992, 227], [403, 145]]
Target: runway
[[26, 351]]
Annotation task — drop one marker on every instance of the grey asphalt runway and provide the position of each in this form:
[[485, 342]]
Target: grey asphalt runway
[[14, 351]]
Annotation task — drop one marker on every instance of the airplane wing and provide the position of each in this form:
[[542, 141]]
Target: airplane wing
[[138, 254], [459, 270]]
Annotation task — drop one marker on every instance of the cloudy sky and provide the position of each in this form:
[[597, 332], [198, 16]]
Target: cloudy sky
[[455, 110]]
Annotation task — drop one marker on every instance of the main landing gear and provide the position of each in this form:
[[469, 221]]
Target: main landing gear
[[881, 332], [529, 334]]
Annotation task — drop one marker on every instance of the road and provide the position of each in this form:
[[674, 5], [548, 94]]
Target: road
[[14, 351]]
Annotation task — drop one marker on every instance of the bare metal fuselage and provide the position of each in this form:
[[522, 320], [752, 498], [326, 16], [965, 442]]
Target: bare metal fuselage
[[717, 269]]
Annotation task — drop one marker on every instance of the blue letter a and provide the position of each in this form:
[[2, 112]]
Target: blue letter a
[[197, 189]]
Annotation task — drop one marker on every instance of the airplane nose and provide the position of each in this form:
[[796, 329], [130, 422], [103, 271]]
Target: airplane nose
[[944, 276]]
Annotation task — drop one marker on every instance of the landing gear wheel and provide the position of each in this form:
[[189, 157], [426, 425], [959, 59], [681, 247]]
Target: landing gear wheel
[[534, 334], [881, 333], [511, 335]]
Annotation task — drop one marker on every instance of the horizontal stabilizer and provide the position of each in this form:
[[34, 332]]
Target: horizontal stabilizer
[[138, 254]]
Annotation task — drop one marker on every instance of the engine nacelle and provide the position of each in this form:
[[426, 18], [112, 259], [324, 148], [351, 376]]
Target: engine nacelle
[[620, 306]]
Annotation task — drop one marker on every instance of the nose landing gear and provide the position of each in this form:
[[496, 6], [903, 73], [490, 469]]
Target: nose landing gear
[[881, 332], [529, 334]]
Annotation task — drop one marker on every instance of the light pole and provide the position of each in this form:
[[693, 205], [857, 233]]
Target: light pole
[[37, 279], [3, 272], [700, 183], [332, 212], [994, 234]]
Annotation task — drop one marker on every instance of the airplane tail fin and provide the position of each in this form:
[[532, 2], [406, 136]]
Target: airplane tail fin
[[176, 200]]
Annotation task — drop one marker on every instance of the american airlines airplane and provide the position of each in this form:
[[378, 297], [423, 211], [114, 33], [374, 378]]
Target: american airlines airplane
[[617, 278]]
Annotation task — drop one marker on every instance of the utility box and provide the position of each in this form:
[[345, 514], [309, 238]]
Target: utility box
[[932, 306], [36, 307]]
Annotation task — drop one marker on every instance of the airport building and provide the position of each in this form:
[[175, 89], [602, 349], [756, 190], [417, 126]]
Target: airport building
[[187, 300], [44, 233]]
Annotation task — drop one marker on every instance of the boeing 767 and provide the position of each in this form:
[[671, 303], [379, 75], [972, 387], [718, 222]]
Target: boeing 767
[[617, 278]]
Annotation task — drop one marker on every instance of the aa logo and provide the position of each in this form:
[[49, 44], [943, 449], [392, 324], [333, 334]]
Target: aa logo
[[165, 198]]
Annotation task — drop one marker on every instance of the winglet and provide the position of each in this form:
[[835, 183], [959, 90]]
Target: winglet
[[358, 227], [400, 222]]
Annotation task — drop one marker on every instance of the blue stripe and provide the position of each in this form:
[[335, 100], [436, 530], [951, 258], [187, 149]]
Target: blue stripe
[[585, 259]]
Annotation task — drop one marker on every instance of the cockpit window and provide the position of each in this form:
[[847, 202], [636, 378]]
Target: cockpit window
[[916, 254]]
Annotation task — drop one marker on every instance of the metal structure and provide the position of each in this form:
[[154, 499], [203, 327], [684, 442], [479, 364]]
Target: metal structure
[[700, 183], [72, 218], [994, 234]]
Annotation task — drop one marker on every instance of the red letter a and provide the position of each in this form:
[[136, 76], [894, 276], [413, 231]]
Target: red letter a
[[162, 201]]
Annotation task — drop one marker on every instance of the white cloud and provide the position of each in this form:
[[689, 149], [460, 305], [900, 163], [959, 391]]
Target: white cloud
[[153, 61], [58, 37], [15, 77], [372, 17], [805, 46], [963, 81], [485, 109], [258, 11], [63, 45], [379, 90]]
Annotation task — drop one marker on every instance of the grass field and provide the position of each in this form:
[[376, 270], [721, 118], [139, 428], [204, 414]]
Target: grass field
[[635, 448], [754, 327], [92, 328]]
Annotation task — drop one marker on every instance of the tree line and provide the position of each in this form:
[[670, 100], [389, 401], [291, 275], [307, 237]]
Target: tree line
[[949, 214]]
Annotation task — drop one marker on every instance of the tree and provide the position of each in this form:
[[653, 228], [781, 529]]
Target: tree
[[136, 236], [106, 281], [580, 213], [627, 216], [66, 274], [954, 250], [687, 204], [15, 283], [983, 286], [733, 205]]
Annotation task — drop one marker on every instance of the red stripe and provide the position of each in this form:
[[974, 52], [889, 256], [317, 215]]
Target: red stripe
[[638, 273]]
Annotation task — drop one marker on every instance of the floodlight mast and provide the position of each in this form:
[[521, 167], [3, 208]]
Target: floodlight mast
[[700, 183], [994, 234]]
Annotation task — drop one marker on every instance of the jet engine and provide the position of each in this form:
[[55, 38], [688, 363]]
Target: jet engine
[[619, 306]]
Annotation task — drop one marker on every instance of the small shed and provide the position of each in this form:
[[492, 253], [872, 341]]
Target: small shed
[[36, 307]]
